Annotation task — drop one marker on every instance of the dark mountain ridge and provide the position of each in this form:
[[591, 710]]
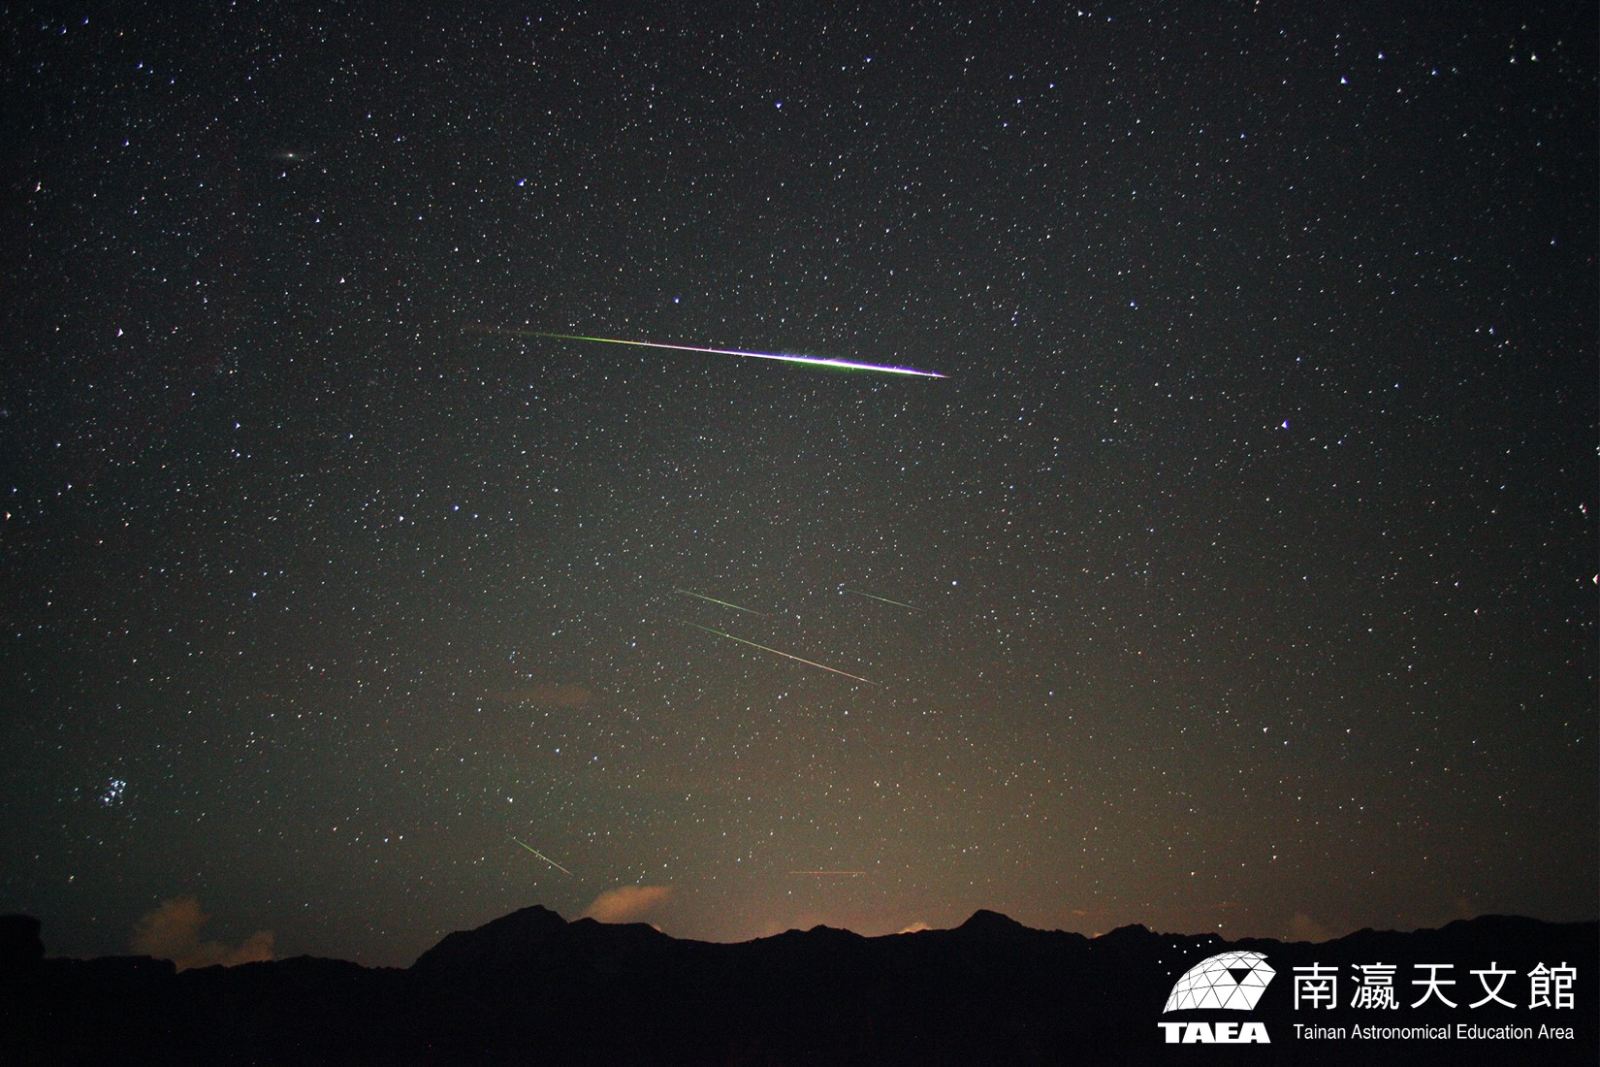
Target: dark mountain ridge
[[532, 987]]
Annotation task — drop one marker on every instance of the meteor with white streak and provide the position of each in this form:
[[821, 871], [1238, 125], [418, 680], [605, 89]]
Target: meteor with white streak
[[879, 599], [723, 603], [785, 655], [547, 859], [814, 361]]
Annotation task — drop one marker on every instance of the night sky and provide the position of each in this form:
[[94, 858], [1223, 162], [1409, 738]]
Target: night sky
[[1244, 557]]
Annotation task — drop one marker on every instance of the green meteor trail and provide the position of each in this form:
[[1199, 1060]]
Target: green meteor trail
[[830, 874], [880, 599], [785, 655], [724, 603], [815, 361], [547, 859]]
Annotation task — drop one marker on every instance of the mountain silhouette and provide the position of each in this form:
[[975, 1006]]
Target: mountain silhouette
[[985, 923], [533, 987]]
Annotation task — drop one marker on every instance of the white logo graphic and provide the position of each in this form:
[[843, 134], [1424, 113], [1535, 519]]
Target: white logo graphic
[[1228, 981]]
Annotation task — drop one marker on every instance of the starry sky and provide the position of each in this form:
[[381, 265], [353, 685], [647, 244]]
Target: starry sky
[[1239, 574]]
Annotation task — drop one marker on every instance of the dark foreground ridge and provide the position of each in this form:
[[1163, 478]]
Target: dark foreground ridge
[[533, 988]]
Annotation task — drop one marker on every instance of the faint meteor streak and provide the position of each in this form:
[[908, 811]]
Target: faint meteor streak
[[547, 859], [880, 599], [815, 361], [785, 655], [724, 603], [831, 874]]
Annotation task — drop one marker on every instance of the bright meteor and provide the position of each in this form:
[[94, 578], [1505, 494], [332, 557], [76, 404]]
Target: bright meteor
[[547, 859], [815, 361], [785, 655], [724, 603]]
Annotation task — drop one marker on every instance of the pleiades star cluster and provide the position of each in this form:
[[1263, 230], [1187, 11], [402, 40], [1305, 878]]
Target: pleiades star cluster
[[1237, 572]]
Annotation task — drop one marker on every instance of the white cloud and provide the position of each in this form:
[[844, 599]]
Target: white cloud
[[627, 903], [172, 932]]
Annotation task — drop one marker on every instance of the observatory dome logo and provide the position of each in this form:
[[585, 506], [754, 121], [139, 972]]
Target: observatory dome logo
[[1228, 981]]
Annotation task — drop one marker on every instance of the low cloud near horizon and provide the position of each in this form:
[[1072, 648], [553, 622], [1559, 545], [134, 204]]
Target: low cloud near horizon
[[627, 903], [172, 932], [1304, 928]]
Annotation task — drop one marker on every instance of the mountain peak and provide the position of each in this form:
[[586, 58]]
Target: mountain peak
[[536, 912], [1132, 934], [512, 935], [991, 923]]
